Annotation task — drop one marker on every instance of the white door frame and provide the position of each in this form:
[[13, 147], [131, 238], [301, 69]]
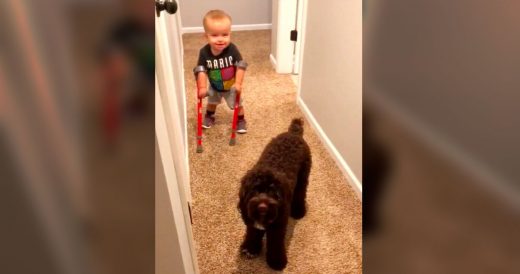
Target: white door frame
[[282, 56], [301, 37], [171, 133], [301, 16], [178, 202], [170, 72], [288, 15]]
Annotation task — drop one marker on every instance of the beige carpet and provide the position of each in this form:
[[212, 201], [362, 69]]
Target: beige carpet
[[328, 238]]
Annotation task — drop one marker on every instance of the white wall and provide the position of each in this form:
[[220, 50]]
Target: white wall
[[243, 12], [331, 84]]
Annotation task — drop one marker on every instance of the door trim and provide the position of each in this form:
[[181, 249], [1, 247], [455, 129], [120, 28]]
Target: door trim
[[172, 147]]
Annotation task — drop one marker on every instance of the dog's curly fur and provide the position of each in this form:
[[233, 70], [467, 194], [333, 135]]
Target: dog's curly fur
[[272, 190]]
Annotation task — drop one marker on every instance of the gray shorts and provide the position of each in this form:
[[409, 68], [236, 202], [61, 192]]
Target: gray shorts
[[215, 97]]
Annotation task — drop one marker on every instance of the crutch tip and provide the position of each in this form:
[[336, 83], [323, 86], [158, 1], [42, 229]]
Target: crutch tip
[[199, 149], [232, 142]]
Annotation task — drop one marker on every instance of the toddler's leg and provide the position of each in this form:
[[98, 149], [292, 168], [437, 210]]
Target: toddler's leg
[[230, 101], [213, 100], [211, 108], [209, 118], [241, 124]]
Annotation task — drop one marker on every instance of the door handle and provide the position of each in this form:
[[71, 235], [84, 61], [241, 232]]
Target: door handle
[[169, 6]]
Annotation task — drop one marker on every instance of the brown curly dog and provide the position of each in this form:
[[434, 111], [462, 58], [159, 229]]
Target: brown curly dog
[[272, 190]]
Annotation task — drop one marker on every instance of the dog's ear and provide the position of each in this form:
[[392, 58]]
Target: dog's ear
[[246, 187], [246, 184]]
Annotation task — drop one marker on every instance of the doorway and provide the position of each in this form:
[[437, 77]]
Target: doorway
[[287, 38]]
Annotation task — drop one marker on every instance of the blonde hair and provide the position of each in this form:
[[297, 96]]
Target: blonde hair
[[214, 15]]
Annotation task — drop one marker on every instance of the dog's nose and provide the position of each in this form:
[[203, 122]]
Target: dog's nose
[[262, 208]]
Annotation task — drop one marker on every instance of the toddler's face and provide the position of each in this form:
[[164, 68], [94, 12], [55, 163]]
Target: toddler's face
[[218, 33]]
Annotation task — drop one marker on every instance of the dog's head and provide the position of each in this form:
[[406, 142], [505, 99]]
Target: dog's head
[[262, 197]]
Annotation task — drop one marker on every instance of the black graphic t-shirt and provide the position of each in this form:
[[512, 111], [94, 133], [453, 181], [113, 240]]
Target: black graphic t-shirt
[[222, 68]]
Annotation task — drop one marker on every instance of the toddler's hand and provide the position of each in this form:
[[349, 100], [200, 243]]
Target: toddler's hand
[[202, 93], [238, 88]]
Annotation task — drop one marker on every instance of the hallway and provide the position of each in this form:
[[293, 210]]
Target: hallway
[[328, 238]]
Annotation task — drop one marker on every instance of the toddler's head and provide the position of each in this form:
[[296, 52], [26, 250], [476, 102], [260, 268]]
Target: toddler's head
[[217, 26]]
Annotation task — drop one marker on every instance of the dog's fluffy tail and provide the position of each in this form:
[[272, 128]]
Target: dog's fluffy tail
[[296, 126]]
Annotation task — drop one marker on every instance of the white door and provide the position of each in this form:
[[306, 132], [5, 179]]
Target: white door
[[170, 73], [172, 189]]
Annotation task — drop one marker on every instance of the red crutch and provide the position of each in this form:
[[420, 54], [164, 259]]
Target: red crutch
[[232, 141], [199, 109], [199, 125]]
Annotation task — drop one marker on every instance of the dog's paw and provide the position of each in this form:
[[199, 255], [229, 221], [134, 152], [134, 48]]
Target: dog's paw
[[251, 248], [277, 262], [297, 212], [248, 254]]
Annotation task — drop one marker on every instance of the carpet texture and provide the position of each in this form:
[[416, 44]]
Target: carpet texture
[[328, 238]]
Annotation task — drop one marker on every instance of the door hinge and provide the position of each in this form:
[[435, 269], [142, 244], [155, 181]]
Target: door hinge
[[294, 35], [189, 209]]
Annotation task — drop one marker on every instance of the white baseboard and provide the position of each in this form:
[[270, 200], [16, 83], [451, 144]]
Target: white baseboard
[[233, 28], [273, 60], [343, 166]]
